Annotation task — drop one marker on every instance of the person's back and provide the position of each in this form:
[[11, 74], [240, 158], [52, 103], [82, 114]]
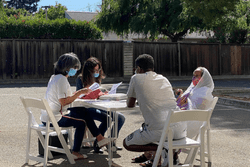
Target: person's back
[[155, 97]]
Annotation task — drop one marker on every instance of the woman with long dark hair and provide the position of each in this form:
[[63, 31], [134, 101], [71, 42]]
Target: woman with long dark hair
[[92, 72]]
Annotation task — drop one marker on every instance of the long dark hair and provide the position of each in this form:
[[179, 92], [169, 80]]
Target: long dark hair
[[88, 70]]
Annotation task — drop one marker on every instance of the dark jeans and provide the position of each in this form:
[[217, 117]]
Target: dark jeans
[[83, 114], [101, 115]]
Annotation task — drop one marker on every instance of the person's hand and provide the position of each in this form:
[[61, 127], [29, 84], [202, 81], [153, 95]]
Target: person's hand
[[183, 101], [85, 91], [179, 92]]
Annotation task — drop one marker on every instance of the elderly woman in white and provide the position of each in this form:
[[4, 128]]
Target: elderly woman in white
[[197, 96]]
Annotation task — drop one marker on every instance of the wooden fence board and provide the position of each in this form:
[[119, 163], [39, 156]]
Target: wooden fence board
[[31, 59], [6, 61], [245, 50]]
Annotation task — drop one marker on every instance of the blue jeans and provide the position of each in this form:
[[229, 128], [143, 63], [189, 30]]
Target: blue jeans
[[101, 115], [83, 114]]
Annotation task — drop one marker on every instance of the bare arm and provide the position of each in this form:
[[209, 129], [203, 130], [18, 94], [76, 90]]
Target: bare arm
[[70, 99], [131, 102]]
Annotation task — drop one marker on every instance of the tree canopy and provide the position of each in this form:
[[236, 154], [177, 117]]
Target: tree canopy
[[210, 11], [172, 18], [234, 26], [54, 12], [29, 5]]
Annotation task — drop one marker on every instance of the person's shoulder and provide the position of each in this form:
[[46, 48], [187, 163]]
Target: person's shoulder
[[58, 77], [160, 76], [61, 78]]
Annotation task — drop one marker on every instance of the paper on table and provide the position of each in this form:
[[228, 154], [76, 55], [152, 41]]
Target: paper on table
[[114, 88], [93, 87]]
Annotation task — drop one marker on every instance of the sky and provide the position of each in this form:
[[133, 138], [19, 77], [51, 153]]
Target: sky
[[73, 5]]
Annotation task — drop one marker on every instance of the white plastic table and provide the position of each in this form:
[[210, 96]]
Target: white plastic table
[[109, 106]]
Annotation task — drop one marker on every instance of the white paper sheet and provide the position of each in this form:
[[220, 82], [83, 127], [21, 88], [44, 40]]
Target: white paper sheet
[[114, 88], [94, 86]]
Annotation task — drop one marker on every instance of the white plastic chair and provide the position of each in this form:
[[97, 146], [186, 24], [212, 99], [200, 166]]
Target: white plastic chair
[[179, 116], [191, 155], [30, 103]]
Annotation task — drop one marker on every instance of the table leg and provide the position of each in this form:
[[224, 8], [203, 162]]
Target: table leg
[[110, 156]]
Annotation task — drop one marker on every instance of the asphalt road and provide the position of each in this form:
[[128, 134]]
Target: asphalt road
[[229, 140]]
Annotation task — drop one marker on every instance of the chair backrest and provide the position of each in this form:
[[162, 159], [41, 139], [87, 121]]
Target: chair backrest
[[186, 115], [212, 106], [29, 103], [39, 104], [189, 115]]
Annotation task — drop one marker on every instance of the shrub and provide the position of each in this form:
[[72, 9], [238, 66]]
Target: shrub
[[38, 28]]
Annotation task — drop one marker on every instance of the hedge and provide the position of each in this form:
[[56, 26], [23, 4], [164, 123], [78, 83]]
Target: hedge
[[48, 29]]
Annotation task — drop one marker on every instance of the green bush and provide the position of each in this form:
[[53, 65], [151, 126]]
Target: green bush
[[37, 28]]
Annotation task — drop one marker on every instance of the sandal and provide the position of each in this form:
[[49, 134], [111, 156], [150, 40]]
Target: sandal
[[149, 163], [78, 156], [140, 159]]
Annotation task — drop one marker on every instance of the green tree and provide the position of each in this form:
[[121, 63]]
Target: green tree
[[29, 5], [1, 5], [147, 17], [211, 12], [18, 12], [234, 26], [57, 12], [54, 12]]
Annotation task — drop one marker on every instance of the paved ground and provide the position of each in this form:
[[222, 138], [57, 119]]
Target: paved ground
[[230, 128]]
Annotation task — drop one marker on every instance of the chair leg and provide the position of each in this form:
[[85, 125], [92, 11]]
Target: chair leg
[[66, 148], [202, 149], [209, 155], [46, 149], [42, 140], [28, 144], [191, 156]]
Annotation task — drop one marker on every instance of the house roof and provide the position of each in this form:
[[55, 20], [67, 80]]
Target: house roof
[[88, 16]]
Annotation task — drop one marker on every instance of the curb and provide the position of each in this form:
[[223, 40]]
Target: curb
[[234, 102]]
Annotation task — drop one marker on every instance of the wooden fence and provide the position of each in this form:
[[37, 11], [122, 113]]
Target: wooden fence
[[180, 59], [34, 59]]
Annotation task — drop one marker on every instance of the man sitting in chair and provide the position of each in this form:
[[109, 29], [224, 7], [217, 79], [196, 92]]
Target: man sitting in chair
[[155, 97]]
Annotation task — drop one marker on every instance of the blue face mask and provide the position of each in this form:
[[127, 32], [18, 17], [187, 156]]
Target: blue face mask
[[72, 72], [96, 75]]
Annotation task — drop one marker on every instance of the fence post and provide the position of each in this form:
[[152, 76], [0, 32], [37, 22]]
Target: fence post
[[127, 59], [220, 64], [179, 58], [13, 59]]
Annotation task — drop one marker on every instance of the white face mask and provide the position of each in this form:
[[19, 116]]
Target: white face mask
[[135, 72]]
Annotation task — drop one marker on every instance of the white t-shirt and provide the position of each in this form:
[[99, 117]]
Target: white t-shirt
[[155, 97], [58, 87]]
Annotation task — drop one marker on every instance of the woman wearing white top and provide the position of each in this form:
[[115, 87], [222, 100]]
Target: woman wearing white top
[[59, 96]]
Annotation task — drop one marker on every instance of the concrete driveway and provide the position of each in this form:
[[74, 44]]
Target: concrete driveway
[[230, 133]]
